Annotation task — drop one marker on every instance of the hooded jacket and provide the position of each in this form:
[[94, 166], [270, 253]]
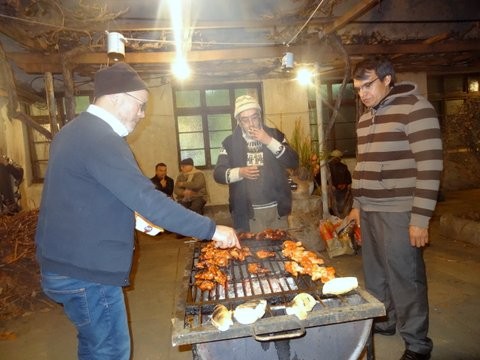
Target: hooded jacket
[[399, 156]]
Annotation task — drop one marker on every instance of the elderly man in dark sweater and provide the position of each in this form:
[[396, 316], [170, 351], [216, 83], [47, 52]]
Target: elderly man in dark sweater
[[93, 188], [254, 162]]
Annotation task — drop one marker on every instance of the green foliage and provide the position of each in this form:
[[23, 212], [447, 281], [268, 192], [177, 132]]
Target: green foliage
[[302, 144]]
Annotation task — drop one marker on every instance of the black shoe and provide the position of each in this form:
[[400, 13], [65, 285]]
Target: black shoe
[[411, 355]]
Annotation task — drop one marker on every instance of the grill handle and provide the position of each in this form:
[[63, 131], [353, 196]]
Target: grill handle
[[280, 335]]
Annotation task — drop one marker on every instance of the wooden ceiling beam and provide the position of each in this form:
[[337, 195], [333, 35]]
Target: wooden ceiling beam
[[149, 25], [36, 63], [416, 48], [355, 12]]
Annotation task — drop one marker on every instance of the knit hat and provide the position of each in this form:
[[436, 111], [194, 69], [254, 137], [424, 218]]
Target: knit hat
[[187, 161], [245, 102], [336, 154], [118, 78]]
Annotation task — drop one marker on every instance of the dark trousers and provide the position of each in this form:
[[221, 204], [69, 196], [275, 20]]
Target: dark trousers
[[196, 204], [395, 275]]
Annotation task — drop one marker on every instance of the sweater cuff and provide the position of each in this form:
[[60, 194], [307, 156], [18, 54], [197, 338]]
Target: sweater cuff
[[419, 220], [356, 204], [276, 147], [233, 175]]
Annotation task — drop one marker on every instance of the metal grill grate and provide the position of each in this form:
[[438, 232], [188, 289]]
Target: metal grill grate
[[278, 287], [242, 285]]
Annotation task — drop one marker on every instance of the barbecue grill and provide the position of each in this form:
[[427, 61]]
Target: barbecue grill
[[337, 325]]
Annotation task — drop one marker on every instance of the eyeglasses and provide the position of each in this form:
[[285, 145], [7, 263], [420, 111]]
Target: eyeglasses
[[247, 119], [143, 104], [366, 86]]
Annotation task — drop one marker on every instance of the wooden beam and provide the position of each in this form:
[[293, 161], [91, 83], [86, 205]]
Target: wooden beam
[[34, 63], [120, 25], [355, 12], [417, 48]]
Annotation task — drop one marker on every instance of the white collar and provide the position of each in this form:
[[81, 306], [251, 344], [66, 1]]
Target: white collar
[[109, 118]]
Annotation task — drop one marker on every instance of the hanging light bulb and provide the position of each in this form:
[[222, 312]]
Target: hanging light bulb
[[304, 76], [180, 69]]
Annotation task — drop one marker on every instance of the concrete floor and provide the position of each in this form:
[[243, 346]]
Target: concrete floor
[[454, 288]]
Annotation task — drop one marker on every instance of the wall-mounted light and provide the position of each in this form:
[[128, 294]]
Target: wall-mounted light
[[473, 85], [116, 46]]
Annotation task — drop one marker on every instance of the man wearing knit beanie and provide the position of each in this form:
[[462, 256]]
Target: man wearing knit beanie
[[92, 193], [254, 162]]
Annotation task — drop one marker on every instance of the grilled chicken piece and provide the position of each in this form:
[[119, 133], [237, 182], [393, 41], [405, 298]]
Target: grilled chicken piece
[[205, 285], [290, 248], [293, 268], [271, 234], [323, 273], [254, 268], [246, 235], [240, 254], [212, 273], [263, 254]]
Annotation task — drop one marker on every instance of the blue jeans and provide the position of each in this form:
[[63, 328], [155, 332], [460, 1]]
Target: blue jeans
[[98, 312]]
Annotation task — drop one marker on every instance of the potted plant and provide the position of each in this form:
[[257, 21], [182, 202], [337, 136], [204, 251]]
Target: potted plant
[[303, 175]]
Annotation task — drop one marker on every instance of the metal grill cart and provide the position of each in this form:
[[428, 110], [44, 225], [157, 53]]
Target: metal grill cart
[[338, 327]]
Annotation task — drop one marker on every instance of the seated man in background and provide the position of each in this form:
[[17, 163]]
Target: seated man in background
[[162, 181], [341, 181], [11, 176], [190, 188]]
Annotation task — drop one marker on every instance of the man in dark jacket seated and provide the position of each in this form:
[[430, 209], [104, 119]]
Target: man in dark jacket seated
[[340, 184], [11, 176]]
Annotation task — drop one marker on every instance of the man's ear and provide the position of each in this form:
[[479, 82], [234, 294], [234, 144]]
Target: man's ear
[[387, 80]]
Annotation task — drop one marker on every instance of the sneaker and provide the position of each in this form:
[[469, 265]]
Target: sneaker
[[411, 355]]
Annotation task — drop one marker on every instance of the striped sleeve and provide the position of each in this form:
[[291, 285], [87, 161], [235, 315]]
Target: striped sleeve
[[424, 135]]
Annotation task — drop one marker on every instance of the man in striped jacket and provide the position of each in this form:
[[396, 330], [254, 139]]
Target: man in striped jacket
[[395, 186]]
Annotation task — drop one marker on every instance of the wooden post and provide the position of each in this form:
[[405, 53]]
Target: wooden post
[[8, 91], [321, 143], [52, 106], [69, 88]]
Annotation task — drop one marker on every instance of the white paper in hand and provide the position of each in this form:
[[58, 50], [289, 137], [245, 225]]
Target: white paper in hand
[[145, 226]]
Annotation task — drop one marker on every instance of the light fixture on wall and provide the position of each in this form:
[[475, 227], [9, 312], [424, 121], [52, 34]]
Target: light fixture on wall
[[116, 46], [473, 85], [287, 61]]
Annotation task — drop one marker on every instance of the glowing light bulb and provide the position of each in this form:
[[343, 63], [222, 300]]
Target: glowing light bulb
[[180, 69], [304, 76]]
